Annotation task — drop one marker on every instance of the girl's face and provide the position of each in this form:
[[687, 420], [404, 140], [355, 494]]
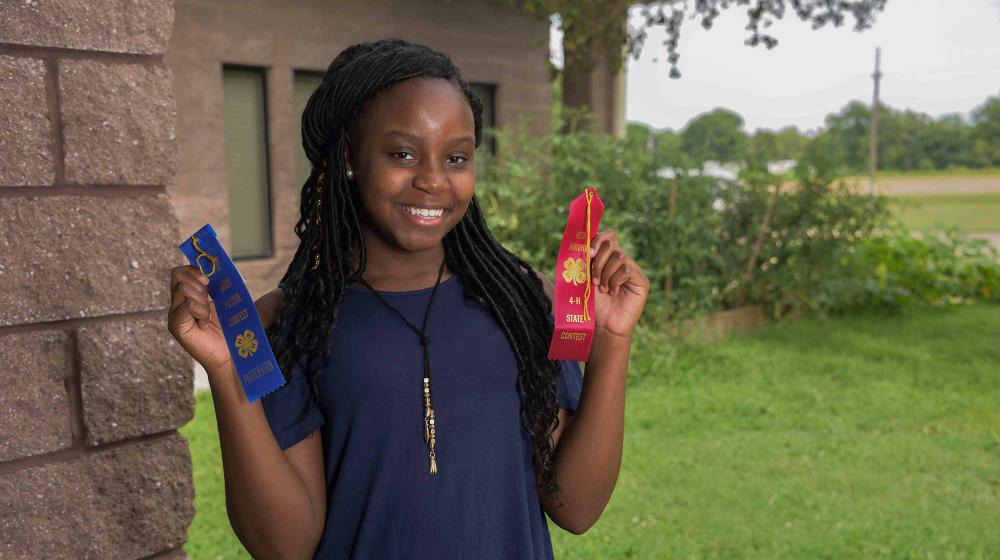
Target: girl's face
[[412, 157]]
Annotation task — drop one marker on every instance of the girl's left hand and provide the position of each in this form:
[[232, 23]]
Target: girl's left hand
[[618, 284]]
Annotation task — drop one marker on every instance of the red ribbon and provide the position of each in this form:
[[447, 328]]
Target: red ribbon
[[574, 298]]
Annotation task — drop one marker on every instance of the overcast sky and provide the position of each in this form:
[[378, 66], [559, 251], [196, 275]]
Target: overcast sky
[[938, 56]]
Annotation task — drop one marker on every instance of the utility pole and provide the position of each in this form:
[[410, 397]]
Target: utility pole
[[873, 140]]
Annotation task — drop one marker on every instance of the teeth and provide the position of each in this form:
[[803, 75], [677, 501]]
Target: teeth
[[424, 212]]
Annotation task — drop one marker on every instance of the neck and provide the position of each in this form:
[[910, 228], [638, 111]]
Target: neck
[[395, 269]]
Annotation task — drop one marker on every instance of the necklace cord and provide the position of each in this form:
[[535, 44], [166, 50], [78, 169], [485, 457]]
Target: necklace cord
[[430, 431]]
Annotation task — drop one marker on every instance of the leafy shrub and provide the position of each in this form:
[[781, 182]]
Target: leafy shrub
[[825, 249], [894, 268]]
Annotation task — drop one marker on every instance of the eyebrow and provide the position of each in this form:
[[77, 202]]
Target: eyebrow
[[416, 139]]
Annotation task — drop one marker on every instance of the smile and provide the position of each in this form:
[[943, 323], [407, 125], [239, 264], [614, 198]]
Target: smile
[[424, 212], [423, 216]]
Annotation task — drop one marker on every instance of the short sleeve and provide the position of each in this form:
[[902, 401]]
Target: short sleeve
[[291, 411], [570, 385]]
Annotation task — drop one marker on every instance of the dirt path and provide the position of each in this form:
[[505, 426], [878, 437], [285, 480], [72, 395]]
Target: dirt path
[[894, 186]]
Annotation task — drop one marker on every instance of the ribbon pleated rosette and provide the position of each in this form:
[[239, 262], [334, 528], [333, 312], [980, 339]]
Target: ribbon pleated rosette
[[241, 325], [574, 298]]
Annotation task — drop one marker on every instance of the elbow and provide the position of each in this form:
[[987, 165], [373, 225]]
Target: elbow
[[579, 527], [260, 544], [284, 553], [579, 524]]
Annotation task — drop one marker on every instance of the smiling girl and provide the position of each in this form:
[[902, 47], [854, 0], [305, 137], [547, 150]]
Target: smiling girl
[[421, 417]]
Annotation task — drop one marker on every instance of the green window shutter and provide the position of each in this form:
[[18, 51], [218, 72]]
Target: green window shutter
[[305, 84], [248, 181]]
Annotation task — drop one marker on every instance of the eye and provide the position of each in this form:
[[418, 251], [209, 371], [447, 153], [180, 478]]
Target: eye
[[457, 159], [401, 155]]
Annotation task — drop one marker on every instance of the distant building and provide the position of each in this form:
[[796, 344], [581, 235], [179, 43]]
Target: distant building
[[729, 171], [243, 72], [782, 166]]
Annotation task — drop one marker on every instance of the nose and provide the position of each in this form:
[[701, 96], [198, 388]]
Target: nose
[[430, 178]]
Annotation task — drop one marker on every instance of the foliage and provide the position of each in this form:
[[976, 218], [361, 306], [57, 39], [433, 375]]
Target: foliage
[[594, 22], [814, 223], [986, 133], [908, 140], [716, 135], [818, 252], [895, 268]]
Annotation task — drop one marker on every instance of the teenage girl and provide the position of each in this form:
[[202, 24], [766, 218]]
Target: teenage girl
[[421, 417]]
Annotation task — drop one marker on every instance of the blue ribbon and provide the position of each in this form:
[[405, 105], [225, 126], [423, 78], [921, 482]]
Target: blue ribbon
[[252, 356]]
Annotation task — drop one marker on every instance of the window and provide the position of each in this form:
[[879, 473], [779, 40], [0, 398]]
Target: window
[[244, 107], [305, 84], [487, 93]]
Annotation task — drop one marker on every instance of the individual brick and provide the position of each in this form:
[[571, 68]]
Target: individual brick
[[129, 501], [25, 124], [135, 379], [118, 122], [34, 406], [138, 26], [67, 257]]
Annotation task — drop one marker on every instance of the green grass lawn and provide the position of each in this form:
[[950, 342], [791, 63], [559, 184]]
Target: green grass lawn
[[972, 212], [856, 437]]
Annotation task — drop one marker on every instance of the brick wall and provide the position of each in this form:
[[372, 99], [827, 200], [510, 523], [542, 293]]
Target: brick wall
[[92, 386]]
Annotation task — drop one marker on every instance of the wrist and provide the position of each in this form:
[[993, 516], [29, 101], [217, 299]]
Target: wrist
[[605, 337]]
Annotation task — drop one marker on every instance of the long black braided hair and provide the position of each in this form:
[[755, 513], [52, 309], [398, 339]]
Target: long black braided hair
[[329, 229]]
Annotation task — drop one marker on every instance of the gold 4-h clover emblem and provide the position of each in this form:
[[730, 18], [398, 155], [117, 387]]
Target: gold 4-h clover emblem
[[246, 343], [574, 271]]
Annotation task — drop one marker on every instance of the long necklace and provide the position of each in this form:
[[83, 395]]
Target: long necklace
[[429, 428]]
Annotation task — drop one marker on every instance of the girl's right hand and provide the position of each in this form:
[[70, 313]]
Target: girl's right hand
[[193, 321]]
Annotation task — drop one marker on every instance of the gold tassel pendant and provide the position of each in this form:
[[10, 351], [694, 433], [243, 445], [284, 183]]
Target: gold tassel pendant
[[429, 429], [433, 440]]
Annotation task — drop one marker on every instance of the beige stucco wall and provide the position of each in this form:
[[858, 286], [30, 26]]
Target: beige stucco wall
[[490, 44]]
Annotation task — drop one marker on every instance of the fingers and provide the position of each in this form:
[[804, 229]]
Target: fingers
[[197, 302], [187, 271], [189, 296], [603, 246], [615, 262], [618, 279]]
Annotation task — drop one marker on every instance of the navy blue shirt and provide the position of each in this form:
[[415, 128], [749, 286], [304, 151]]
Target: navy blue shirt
[[382, 502]]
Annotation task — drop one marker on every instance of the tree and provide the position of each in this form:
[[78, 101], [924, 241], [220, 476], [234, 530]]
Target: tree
[[847, 131], [986, 132], [596, 35], [716, 135]]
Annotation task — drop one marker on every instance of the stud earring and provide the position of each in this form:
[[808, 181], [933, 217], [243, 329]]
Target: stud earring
[[350, 174]]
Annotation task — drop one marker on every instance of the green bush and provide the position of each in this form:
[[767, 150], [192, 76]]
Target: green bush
[[894, 268], [825, 249]]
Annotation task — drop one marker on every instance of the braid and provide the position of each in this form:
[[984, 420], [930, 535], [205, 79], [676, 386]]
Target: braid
[[329, 228]]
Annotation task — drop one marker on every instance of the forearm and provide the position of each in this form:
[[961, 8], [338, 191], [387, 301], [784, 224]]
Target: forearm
[[267, 501], [588, 457]]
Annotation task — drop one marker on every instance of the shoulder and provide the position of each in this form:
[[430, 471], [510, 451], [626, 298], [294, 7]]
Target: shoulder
[[268, 305], [547, 285]]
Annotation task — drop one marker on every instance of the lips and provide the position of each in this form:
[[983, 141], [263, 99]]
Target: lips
[[424, 215]]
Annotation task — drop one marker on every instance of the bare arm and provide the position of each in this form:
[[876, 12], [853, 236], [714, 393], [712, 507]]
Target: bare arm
[[276, 500], [588, 453], [588, 444]]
